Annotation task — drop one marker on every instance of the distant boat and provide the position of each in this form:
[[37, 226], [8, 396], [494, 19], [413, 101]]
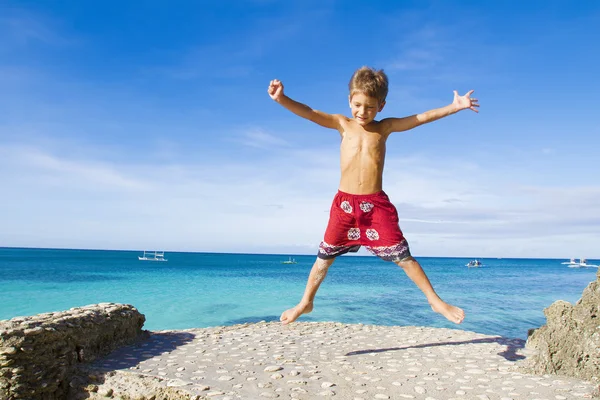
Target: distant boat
[[581, 264], [290, 261], [153, 256], [474, 264], [571, 262]]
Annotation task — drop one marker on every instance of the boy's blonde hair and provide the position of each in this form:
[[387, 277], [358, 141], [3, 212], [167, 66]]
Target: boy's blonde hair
[[371, 82]]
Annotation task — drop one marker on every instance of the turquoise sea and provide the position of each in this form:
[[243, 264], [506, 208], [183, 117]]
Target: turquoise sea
[[192, 290]]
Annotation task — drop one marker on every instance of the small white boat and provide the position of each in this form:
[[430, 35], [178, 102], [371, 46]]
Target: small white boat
[[474, 264], [153, 256], [290, 261], [571, 262], [583, 263]]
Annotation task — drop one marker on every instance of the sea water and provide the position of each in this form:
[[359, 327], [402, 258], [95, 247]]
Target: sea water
[[505, 297]]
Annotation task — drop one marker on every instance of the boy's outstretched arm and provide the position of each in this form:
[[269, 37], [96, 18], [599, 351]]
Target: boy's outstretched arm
[[327, 120], [459, 103]]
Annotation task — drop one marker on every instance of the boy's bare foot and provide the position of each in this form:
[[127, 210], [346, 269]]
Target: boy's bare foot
[[452, 313], [293, 313]]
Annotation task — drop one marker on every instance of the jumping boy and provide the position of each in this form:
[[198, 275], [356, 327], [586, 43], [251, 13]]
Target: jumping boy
[[361, 213]]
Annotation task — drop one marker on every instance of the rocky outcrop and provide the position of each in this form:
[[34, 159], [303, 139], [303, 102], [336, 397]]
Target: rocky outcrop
[[39, 354], [569, 343]]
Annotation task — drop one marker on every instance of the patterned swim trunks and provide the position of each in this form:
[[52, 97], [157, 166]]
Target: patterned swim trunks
[[369, 220]]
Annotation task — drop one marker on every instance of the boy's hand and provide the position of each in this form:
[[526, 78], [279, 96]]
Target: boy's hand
[[275, 89], [463, 102]]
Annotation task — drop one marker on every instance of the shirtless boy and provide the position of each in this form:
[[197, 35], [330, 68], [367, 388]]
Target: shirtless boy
[[361, 213]]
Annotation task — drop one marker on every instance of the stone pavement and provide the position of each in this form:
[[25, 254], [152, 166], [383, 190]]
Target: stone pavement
[[312, 360]]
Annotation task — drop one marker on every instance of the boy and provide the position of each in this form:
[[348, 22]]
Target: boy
[[361, 213]]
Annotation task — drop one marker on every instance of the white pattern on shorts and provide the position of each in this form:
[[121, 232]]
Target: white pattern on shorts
[[346, 207], [354, 234], [372, 234], [366, 206]]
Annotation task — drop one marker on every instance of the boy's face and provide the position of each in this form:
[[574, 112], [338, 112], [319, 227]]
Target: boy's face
[[364, 108]]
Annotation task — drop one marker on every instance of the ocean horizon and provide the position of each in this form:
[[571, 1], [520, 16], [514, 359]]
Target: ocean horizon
[[504, 297]]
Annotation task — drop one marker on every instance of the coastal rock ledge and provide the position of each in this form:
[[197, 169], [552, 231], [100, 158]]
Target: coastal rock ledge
[[39, 355], [63, 356], [569, 343]]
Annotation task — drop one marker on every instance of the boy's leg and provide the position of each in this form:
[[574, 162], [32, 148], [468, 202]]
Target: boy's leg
[[383, 237], [317, 274], [417, 275]]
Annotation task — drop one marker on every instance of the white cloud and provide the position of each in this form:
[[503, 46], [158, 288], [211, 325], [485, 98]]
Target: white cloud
[[280, 204], [257, 137], [64, 202], [464, 209], [66, 171]]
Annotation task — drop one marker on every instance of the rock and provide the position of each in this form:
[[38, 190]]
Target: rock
[[50, 346], [569, 343]]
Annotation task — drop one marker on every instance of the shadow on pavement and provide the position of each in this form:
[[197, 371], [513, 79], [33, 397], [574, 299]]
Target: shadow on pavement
[[129, 356], [510, 354]]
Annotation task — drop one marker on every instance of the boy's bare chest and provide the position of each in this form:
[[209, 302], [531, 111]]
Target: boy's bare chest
[[358, 142]]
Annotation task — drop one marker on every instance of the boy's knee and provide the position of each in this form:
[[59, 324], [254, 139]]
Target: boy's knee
[[324, 263], [407, 262]]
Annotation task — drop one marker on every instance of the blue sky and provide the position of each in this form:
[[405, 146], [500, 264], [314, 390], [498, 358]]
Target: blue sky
[[147, 125]]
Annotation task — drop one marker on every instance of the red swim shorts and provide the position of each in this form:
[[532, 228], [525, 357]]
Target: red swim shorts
[[369, 220]]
